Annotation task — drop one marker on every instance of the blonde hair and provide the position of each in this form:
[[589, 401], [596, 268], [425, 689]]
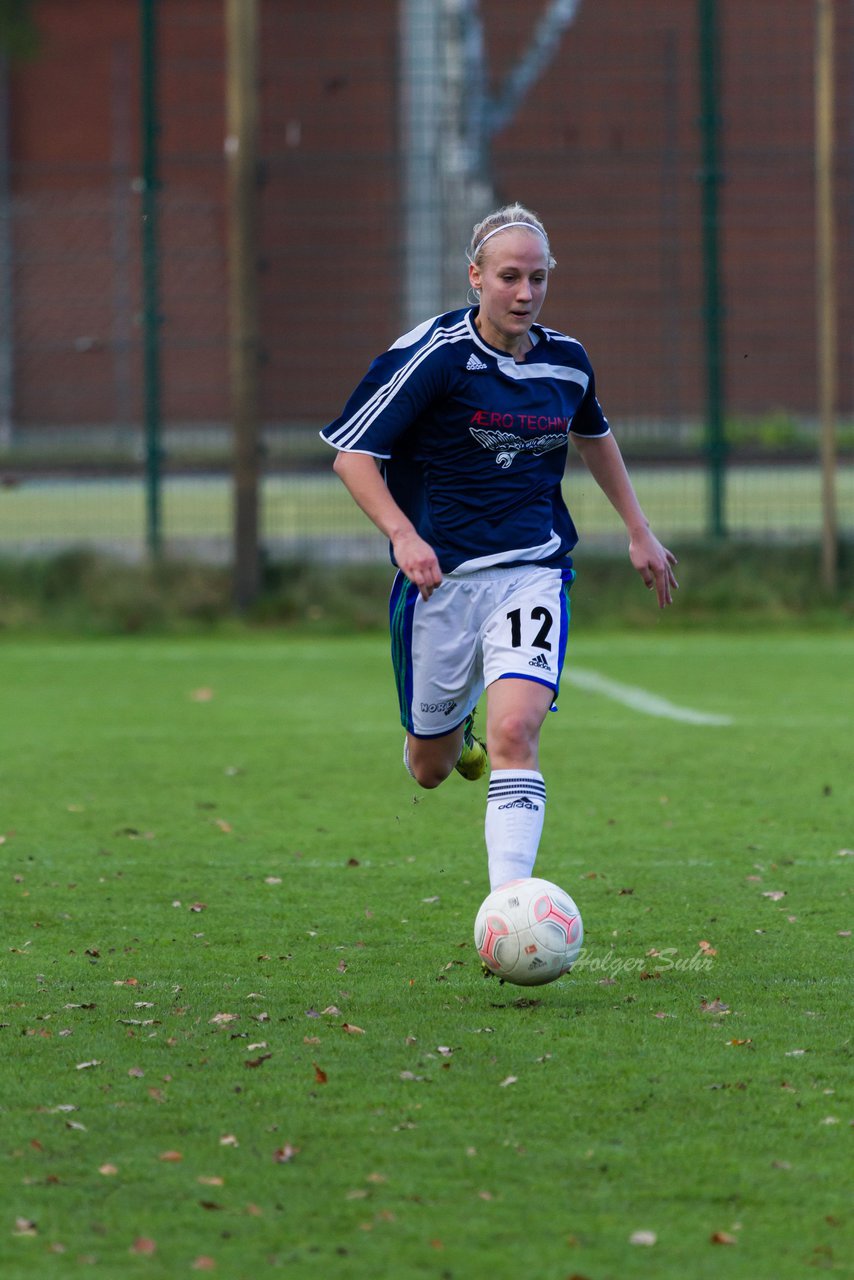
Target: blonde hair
[[511, 215]]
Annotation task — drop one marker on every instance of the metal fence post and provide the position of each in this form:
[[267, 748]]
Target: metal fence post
[[7, 300], [826, 291], [241, 147], [150, 288], [710, 177]]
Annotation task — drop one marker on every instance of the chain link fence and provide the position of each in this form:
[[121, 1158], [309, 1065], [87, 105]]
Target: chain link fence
[[385, 131]]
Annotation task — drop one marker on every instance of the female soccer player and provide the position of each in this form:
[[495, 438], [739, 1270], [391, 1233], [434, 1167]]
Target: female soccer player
[[454, 444]]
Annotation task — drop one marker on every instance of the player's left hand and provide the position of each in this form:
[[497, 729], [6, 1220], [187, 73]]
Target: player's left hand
[[655, 564]]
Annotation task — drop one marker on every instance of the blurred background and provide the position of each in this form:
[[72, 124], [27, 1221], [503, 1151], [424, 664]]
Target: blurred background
[[215, 213]]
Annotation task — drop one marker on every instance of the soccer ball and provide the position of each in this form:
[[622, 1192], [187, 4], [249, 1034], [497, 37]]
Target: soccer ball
[[528, 932]]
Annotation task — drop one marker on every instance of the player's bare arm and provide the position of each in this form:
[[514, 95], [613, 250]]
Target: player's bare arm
[[601, 455], [416, 558]]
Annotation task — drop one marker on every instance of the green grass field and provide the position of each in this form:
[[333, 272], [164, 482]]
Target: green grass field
[[244, 1026]]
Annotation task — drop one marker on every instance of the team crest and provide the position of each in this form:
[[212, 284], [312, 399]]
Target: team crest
[[506, 445]]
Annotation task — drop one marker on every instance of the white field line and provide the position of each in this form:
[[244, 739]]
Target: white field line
[[639, 699]]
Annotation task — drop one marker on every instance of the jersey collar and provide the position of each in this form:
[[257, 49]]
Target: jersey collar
[[537, 334]]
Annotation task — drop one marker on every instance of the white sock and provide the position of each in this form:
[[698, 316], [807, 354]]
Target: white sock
[[406, 763], [515, 809]]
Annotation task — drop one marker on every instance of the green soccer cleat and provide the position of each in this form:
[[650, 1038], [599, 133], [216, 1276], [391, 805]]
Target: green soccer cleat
[[473, 761]]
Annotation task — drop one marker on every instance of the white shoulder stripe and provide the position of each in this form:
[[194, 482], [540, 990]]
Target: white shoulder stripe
[[356, 426]]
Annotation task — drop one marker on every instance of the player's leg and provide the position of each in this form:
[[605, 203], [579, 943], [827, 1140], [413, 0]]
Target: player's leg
[[524, 647], [438, 674], [516, 799], [515, 711], [432, 760]]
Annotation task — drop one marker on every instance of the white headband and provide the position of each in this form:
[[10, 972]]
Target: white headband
[[504, 226]]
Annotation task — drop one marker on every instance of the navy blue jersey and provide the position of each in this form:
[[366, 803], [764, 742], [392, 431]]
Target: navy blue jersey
[[473, 443]]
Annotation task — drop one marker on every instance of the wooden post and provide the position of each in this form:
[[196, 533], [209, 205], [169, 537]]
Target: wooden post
[[826, 295], [241, 149]]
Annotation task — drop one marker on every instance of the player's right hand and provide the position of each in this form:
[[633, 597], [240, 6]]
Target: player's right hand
[[417, 559]]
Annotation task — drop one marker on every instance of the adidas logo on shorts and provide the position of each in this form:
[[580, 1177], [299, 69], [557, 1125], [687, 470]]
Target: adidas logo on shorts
[[473, 364], [541, 662]]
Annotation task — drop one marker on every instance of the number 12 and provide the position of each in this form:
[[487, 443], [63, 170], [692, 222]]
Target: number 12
[[541, 640]]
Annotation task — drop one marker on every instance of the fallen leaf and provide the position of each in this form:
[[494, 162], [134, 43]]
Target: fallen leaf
[[204, 1263], [643, 1238], [713, 1006], [170, 1157], [144, 1245], [320, 1076], [722, 1237], [83, 1066], [204, 694], [738, 1042], [256, 1062], [508, 1080], [108, 1170], [25, 1227], [211, 1182], [332, 1011], [221, 1018], [351, 1029], [224, 826], [706, 948], [774, 894], [228, 1140], [285, 1154]]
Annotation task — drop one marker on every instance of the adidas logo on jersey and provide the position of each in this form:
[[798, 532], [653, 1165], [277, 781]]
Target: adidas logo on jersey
[[540, 661], [473, 364]]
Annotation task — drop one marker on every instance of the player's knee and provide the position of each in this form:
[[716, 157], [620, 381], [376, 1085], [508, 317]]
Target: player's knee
[[514, 733], [428, 775]]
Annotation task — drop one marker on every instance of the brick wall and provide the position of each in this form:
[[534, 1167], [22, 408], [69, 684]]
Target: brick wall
[[605, 147]]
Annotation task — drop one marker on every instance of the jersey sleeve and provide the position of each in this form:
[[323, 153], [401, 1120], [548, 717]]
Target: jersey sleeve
[[588, 419], [398, 388]]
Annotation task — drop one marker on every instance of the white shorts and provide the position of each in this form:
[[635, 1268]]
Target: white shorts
[[474, 629]]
